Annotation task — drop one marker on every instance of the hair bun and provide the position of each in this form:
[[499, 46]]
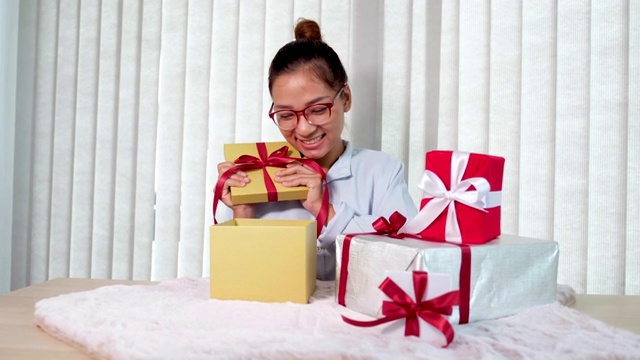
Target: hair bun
[[307, 30]]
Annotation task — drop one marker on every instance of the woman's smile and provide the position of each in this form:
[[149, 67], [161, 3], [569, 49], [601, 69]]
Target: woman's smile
[[312, 141]]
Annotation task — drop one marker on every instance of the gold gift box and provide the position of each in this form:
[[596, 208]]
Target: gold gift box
[[263, 260], [255, 191]]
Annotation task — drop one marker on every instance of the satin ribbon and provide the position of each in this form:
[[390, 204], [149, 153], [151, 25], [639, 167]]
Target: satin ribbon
[[393, 228], [277, 158], [443, 199], [402, 306], [381, 227]]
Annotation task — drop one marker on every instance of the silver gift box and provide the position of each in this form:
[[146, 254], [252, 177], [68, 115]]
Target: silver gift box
[[508, 274]]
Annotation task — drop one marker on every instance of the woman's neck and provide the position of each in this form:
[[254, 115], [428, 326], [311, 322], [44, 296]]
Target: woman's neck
[[331, 157]]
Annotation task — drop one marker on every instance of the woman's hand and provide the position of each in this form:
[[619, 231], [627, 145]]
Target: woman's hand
[[297, 174], [238, 179]]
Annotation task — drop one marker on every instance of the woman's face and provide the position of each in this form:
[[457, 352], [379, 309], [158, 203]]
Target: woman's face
[[298, 90]]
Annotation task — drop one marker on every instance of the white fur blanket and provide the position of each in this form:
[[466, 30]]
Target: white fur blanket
[[176, 320]]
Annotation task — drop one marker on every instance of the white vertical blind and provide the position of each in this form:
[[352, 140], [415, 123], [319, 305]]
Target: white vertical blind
[[24, 109], [64, 100], [417, 96], [396, 77], [126, 142], [249, 77], [108, 69], [149, 27], [505, 99], [537, 118], [363, 120], [171, 111], [473, 82], [572, 141], [632, 265], [194, 154], [44, 99], [278, 30], [449, 76], [609, 87], [9, 11], [123, 108], [84, 144]]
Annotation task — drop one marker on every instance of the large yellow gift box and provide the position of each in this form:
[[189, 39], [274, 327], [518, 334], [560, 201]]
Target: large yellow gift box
[[263, 260], [256, 190]]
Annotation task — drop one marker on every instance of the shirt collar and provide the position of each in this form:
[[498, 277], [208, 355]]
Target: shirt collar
[[342, 167]]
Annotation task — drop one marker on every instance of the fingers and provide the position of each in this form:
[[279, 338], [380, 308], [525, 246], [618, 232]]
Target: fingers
[[298, 175], [310, 181], [295, 168], [224, 166], [238, 178]]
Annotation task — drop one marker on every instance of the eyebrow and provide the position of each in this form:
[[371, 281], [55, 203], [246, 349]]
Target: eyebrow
[[313, 101]]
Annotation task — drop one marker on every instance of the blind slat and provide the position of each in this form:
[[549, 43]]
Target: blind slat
[[194, 156], [86, 111], [126, 144], [106, 140], [170, 139], [63, 138], [473, 103], [537, 127], [608, 147], [145, 195], [396, 79], [632, 268], [572, 142], [40, 216], [24, 144], [251, 78], [505, 100]]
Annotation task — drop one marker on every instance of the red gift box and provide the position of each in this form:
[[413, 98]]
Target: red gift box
[[461, 198]]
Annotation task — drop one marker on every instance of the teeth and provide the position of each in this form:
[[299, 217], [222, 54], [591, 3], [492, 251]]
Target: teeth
[[313, 141]]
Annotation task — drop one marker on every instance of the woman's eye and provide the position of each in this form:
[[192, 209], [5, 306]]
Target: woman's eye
[[286, 116], [319, 110]]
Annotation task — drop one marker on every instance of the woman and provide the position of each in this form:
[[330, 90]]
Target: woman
[[310, 93]]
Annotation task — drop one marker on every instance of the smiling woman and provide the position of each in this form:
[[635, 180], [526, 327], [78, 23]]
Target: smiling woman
[[310, 93]]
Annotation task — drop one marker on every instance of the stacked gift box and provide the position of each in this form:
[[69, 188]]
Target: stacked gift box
[[507, 275], [256, 259], [456, 233]]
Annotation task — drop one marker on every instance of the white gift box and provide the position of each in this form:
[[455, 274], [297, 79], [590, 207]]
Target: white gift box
[[438, 284], [508, 274]]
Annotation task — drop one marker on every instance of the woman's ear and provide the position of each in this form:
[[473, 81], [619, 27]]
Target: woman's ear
[[346, 96]]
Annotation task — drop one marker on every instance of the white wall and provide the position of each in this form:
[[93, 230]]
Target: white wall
[[8, 61]]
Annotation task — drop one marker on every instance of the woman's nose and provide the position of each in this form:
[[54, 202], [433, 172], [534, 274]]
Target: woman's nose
[[304, 127]]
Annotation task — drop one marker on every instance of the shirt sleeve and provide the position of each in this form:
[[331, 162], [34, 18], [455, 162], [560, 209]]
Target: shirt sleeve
[[389, 195]]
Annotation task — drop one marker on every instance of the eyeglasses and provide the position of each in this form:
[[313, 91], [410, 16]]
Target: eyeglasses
[[315, 114]]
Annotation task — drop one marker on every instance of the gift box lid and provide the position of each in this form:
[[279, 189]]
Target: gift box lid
[[255, 191]]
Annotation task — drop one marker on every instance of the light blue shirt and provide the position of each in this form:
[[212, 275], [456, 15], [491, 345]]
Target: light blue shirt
[[364, 184]]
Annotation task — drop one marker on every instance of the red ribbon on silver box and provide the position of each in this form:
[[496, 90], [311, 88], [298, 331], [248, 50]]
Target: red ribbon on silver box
[[402, 306]]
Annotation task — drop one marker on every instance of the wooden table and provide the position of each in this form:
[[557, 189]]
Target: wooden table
[[21, 339]]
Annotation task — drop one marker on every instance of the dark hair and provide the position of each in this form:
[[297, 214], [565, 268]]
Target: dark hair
[[310, 52]]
